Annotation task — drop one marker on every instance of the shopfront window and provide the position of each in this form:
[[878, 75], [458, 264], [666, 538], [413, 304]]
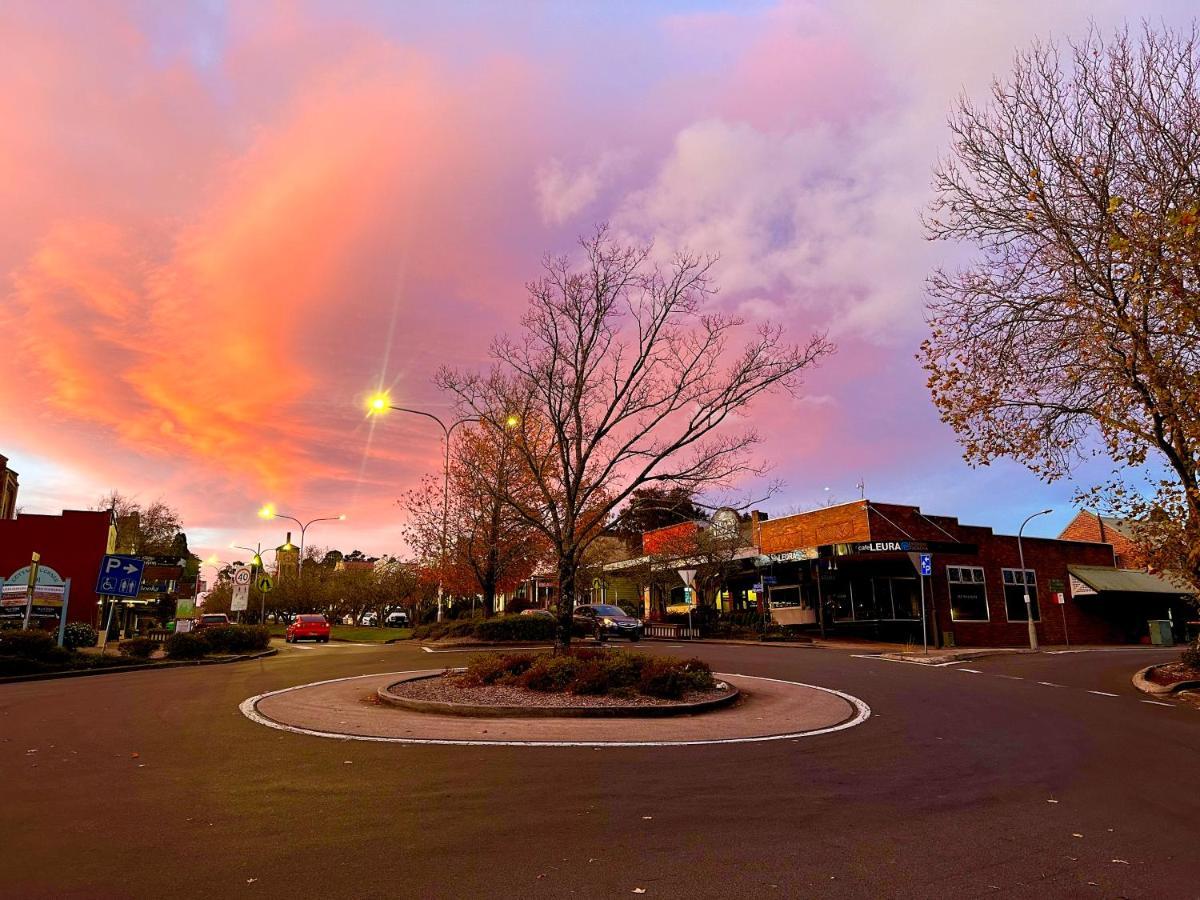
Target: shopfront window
[[906, 598], [968, 594], [1016, 582]]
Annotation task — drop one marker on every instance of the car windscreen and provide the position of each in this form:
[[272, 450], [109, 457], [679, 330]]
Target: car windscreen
[[609, 610], [222, 619]]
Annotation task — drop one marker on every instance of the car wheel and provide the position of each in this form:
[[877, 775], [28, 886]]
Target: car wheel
[[635, 637]]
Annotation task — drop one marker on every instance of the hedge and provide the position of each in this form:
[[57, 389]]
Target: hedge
[[187, 645], [237, 638], [590, 671], [501, 628], [138, 647]]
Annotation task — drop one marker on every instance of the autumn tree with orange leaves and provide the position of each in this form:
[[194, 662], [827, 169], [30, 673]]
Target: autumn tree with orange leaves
[[1076, 326], [489, 548]]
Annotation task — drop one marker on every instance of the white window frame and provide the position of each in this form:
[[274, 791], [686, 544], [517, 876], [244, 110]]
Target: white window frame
[[982, 581], [1033, 584]]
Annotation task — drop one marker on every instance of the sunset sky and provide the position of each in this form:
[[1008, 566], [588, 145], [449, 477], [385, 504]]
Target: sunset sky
[[226, 223]]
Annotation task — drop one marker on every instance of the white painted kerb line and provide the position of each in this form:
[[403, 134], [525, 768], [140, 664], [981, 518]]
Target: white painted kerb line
[[249, 708]]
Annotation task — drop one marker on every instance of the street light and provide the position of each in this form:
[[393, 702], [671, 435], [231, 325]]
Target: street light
[[269, 512], [379, 404], [1033, 641]]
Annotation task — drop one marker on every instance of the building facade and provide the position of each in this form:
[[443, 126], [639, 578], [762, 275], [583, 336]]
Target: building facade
[[72, 544], [8, 490], [891, 572]]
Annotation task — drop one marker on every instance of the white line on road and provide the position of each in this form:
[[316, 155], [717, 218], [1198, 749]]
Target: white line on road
[[1103, 694], [1049, 684], [477, 649], [1157, 703], [972, 671], [1009, 677], [249, 708]]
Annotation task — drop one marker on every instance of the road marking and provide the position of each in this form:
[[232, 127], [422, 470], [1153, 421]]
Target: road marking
[[1157, 703], [1050, 684], [249, 708], [1009, 677], [972, 671], [913, 662], [481, 649], [1103, 694]]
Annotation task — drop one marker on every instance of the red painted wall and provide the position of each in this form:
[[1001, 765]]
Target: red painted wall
[[72, 544]]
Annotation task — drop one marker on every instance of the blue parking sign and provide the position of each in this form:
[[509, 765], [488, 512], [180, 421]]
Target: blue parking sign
[[926, 564], [120, 576]]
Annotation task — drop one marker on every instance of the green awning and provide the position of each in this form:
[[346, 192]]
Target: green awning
[[1127, 581]]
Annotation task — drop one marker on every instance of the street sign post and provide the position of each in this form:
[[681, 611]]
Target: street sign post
[[688, 576], [241, 589], [265, 585], [120, 576]]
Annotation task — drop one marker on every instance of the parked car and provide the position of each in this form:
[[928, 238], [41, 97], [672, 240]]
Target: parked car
[[398, 619], [308, 627], [212, 620], [605, 620], [370, 620], [541, 613]]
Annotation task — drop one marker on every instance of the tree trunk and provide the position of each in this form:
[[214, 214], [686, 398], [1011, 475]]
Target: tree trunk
[[566, 603], [489, 598]]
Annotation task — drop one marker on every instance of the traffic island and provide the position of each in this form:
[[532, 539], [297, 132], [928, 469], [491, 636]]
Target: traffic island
[[765, 709], [1166, 679]]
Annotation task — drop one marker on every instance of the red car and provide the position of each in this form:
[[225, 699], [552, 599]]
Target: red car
[[311, 628]]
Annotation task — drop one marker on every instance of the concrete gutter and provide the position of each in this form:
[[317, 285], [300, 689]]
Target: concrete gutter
[[1141, 681], [942, 658], [139, 667]]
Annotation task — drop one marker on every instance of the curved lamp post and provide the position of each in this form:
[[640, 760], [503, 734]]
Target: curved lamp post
[[269, 512], [1033, 641], [381, 403]]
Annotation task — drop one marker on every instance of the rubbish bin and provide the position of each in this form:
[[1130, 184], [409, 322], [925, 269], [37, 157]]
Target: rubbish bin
[[1160, 633]]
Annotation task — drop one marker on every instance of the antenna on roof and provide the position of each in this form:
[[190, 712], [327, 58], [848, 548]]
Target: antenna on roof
[[862, 489]]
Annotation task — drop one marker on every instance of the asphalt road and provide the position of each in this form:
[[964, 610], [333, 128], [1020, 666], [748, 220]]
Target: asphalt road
[[962, 783]]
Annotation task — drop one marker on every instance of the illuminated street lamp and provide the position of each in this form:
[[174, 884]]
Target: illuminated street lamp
[[269, 512], [381, 403]]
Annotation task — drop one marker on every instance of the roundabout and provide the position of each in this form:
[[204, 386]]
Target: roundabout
[[356, 708]]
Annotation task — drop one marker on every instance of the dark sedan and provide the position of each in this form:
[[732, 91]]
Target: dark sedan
[[604, 621]]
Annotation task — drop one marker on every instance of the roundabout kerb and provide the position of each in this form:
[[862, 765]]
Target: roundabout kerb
[[770, 709]]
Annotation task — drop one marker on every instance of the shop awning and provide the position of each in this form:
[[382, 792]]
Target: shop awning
[[1129, 581]]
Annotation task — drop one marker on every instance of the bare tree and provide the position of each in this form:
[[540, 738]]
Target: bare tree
[[1079, 320], [152, 529], [622, 379]]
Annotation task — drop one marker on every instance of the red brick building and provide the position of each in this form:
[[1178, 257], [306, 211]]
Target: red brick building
[[1090, 526], [892, 572], [71, 544]]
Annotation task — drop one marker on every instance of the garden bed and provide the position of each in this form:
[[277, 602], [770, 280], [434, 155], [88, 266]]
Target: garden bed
[[448, 693], [585, 682], [1173, 673]]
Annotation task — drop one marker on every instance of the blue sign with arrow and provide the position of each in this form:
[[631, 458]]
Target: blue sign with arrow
[[120, 576], [926, 564]]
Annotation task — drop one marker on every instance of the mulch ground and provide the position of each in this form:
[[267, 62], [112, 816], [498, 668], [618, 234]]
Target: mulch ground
[[1173, 673], [450, 688]]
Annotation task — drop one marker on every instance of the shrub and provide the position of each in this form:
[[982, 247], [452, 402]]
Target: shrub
[[80, 634], [492, 667], [187, 645], [138, 647], [32, 643], [669, 678], [237, 638], [515, 628], [1191, 656], [550, 673]]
